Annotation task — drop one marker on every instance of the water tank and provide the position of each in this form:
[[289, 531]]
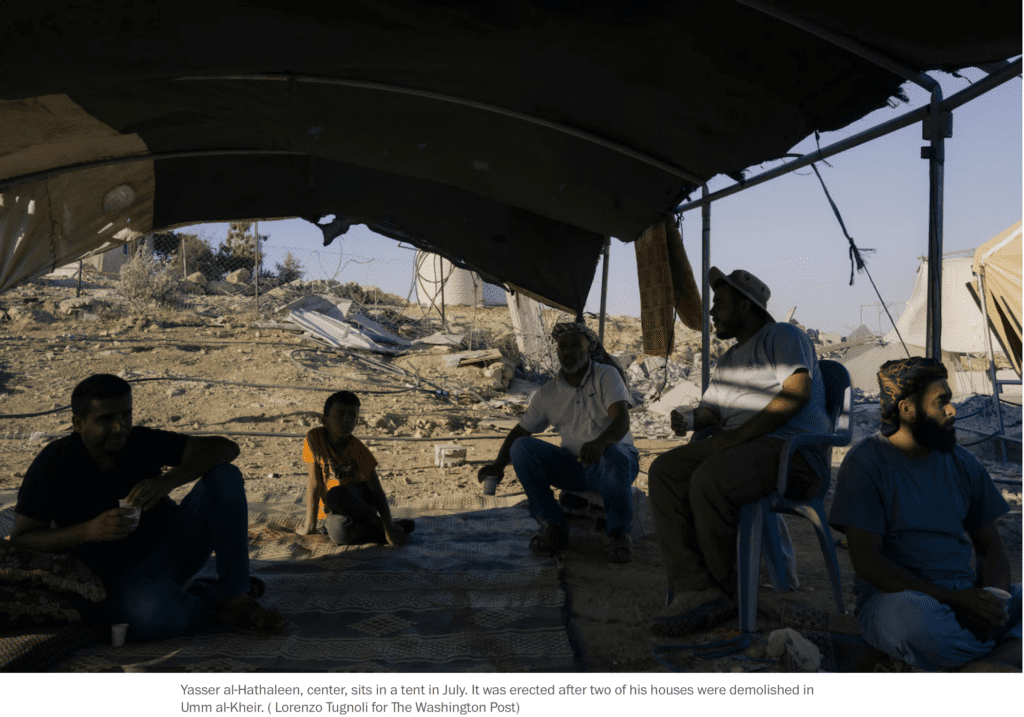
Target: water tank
[[461, 287]]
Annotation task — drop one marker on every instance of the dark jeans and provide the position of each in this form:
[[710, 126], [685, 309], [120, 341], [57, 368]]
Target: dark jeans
[[353, 518], [213, 517]]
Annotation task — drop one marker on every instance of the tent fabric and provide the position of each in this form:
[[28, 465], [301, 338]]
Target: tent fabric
[[999, 261], [962, 322], [510, 138]]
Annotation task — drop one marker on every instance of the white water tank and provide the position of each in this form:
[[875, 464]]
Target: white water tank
[[461, 287]]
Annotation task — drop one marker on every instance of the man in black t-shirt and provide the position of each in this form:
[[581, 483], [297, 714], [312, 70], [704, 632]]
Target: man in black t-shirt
[[69, 502]]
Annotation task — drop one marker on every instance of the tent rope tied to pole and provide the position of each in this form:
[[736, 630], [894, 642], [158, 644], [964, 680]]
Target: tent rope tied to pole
[[856, 258]]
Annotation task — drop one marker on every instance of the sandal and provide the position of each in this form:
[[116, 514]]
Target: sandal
[[547, 541], [618, 548], [251, 618]]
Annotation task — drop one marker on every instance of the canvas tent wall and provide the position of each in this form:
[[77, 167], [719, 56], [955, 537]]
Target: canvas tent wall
[[514, 137], [997, 265], [962, 323]]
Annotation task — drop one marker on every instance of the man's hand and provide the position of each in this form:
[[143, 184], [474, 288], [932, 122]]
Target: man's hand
[[492, 470], [591, 451], [113, 524], [149, 492], [679, 423], [979, 611], [395, 535]]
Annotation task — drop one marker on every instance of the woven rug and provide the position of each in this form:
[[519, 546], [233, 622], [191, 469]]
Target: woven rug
[[464, 595]]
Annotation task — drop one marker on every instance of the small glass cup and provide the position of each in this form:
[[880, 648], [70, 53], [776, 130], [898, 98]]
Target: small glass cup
[[137, 512], [118, 633], [490, 485]]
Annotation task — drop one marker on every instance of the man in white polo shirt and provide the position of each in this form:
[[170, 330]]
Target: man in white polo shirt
[[765, 389], [588, 404]]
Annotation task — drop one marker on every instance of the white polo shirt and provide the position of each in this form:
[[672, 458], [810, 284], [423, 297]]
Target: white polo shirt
[[578, 413]]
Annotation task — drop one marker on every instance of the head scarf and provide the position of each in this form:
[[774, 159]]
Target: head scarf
[[901, 379], [597, 352]]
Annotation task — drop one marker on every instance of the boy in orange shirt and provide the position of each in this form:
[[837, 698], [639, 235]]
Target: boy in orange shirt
[[343, 488]]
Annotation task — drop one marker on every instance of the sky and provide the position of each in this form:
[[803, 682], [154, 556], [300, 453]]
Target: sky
[[784, 231]]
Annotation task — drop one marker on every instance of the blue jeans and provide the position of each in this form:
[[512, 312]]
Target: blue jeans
[[541, 465], [151, 595], [924, 633]]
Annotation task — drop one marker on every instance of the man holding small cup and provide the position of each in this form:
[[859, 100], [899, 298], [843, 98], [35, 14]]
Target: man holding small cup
[[102, 494], [764, 389]]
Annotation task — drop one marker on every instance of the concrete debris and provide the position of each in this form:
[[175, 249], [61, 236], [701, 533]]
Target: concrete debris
[[860, 333]]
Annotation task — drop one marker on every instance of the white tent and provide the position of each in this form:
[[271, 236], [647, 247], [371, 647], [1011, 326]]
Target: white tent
[[962, 322]]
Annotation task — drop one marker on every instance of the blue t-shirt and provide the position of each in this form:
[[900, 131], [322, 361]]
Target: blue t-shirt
[[920, 507]]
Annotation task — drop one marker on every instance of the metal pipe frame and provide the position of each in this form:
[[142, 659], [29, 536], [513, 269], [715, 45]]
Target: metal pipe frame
[[936, 179], [952, 102], [604, 286], [452, 99], [705, 290], [991, 358]]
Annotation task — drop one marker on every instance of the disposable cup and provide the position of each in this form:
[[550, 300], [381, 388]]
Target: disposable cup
[[1002, 595], [490, 486], [118, 633], [136, 514]]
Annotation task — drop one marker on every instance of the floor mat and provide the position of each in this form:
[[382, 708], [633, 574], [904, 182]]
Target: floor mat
[[463, 595]]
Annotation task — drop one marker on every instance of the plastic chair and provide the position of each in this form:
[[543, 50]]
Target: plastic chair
[[753, 527]]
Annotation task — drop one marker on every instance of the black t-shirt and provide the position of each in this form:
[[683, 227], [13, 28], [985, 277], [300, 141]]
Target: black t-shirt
[[66, 486]]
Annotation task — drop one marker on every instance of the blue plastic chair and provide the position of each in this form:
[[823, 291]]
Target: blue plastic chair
[[753, 526]]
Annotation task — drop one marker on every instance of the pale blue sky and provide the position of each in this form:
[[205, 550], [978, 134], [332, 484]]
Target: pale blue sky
[[784, 231]]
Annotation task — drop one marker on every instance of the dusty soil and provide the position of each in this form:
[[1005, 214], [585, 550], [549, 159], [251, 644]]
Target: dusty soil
[[208, 369]]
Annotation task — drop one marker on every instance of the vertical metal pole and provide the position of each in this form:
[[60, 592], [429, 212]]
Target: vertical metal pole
[[604, 287], [78, 291], [936, 167], [991, 360], [705, 291], [256, 269]]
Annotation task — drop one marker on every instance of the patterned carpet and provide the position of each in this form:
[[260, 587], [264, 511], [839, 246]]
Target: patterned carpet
[[463, 595]]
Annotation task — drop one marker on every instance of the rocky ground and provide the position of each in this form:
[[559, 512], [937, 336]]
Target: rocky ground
[[205, 367]]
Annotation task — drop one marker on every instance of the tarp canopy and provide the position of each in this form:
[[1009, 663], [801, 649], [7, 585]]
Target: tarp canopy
[[962, 322], [508, 137], [997, 263]]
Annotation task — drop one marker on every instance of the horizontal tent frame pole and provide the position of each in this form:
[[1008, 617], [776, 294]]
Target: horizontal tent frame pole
[[452, 99], [978, 88]]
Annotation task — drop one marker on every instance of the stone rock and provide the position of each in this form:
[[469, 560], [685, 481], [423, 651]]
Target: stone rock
[[223, 287], [198, 277], [36, 316], [238, 276], [190, 287], [71, 306], [832, 337], [176, 391]]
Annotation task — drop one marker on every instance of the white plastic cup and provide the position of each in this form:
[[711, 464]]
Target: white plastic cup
[[136, 512], [118, 633], [1002, 595], [490, 485]]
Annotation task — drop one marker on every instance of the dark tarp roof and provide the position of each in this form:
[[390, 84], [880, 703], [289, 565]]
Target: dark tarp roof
[[399, 131]]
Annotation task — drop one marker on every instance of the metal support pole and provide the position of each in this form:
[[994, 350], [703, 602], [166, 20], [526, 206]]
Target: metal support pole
[[991, 360], [705, 291], [256, 268], [935, 130], [78, 291], [604, 287]]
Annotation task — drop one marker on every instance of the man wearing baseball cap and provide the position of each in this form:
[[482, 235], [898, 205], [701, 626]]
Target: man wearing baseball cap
[[764, 389]]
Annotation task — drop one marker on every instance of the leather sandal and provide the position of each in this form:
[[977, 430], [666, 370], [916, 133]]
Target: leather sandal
[[547, 541]]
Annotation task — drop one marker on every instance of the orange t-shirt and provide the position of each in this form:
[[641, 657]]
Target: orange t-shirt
[[353, 465]]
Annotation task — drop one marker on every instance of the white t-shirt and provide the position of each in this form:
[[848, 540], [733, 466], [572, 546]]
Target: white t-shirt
[[748, 376], [578, 413]]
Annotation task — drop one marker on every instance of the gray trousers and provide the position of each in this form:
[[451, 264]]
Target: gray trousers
[[696, 497]]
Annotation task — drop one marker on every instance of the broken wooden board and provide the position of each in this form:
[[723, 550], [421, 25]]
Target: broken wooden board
[[470, 357]]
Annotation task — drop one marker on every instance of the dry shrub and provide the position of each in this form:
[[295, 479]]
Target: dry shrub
[[147, 282]]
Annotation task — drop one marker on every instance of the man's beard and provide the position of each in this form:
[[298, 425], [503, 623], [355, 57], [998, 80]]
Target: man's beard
[[930, 434], [577, 367]]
